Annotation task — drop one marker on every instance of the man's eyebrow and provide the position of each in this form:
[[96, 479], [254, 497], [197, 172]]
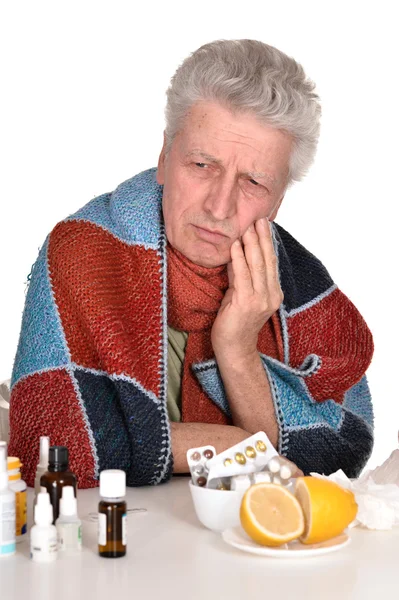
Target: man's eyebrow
[[204, 155], [210, 158], [254, 175]]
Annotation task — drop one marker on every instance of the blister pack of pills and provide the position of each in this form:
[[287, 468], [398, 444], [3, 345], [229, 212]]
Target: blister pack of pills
[[198, 459], [249, 456], [276, 471]]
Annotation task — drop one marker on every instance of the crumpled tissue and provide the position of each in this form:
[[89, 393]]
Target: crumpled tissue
[[376, 493]]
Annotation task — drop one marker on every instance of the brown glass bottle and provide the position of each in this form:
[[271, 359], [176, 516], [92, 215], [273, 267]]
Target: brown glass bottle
[[57, 477], [112, 514]]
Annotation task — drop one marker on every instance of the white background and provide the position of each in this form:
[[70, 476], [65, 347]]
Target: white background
[[83, 94]]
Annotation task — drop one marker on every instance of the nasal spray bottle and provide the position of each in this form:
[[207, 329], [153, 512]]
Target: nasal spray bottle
[[43, 535], [42, 467], [7, 508]]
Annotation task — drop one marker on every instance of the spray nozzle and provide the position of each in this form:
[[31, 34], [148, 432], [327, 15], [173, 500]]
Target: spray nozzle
[[3, 466], [3, 457], [44, 450]]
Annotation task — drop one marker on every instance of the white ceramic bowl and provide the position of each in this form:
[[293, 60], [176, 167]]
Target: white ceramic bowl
[[216, 509]]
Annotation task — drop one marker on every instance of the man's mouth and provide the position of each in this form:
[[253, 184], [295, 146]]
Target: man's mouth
[[210, 235]]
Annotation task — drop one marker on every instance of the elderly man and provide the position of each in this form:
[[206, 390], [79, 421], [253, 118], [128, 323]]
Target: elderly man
[[175, 313]]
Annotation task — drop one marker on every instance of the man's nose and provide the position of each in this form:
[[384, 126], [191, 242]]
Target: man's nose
[[221, 201]]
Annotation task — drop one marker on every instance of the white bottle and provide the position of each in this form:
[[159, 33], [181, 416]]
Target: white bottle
[[42, 467], [18, 485], [7, 508], [43, 535], [68, 524]]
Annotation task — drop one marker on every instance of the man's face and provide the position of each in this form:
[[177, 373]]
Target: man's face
[[222, 173]]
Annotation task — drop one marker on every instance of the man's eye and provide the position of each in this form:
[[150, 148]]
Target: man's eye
[[201, 165], [253, 182]]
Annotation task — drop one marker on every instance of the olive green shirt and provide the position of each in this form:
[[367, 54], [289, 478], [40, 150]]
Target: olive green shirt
[[176, 348]]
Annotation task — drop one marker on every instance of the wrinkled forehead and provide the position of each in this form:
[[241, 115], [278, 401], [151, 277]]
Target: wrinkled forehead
[[214, 135]]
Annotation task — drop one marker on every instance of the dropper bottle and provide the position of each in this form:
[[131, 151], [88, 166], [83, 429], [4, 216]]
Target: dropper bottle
[[57, 477], [7, 508], [68, 524], [43, 461], [43, 535]]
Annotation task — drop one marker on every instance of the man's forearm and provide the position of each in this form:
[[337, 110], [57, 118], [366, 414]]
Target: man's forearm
[[249, 394], [194, 435]]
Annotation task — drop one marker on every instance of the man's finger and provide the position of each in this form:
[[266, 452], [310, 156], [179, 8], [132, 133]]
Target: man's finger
[[263, 227], [230, 274], [255, 259], [241, 273]]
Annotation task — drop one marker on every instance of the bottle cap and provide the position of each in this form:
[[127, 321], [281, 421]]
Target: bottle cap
[[58, 456], [13, 463], [112, 483], [43, 509], [44, 451], [68, 503]]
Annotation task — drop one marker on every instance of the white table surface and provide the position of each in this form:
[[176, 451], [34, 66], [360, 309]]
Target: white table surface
[[170, 555]]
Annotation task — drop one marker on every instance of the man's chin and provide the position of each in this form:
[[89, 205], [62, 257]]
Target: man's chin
[[207, 255]]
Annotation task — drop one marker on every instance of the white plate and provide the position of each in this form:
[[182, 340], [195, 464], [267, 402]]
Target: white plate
[[237, 537]]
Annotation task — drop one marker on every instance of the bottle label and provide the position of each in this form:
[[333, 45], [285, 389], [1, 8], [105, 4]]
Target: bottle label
[[20, 513], [69, 536], [7, 526], [102, 529], [124, 530], [44, 550]]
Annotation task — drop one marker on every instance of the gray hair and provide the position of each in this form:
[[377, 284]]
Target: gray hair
[[250, 76]]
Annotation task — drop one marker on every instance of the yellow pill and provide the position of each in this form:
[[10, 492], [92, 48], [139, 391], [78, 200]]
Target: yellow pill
[[240, 458], [250, 452], [260, 446], [228, 462]]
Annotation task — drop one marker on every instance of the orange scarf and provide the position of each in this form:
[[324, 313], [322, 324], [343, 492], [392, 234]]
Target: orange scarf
[[194, 297]]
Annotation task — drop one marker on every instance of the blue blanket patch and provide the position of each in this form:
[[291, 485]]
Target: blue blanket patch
[[209, 378], [295, 404], [358, 400], [42, 343], [132, 213]]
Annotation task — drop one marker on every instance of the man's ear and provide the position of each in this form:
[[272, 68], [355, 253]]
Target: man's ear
[[161, 163], [273, 215]]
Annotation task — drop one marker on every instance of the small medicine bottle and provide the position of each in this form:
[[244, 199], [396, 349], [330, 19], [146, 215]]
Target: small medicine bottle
[[57, 477], [43, 535], [112, 533], [18, 486], [7, 508], [68, 524]]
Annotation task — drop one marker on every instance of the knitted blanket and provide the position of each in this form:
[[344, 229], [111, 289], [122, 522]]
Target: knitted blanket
[[90, 368]]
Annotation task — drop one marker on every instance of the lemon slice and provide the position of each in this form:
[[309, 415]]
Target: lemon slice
[[271, 515], [328, 508]]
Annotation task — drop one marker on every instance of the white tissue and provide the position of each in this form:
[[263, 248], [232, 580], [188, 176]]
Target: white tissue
[[376, 493]]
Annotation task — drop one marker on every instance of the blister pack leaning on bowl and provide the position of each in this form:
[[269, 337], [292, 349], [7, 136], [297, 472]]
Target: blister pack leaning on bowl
[[219, 481]]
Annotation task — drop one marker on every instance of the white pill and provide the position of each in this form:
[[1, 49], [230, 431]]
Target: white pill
[[274, 465], [240, 483], [262, 477], [285, 472], [277, 480]]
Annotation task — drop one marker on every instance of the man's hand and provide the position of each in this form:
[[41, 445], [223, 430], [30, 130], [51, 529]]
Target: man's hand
[[253, 296]]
